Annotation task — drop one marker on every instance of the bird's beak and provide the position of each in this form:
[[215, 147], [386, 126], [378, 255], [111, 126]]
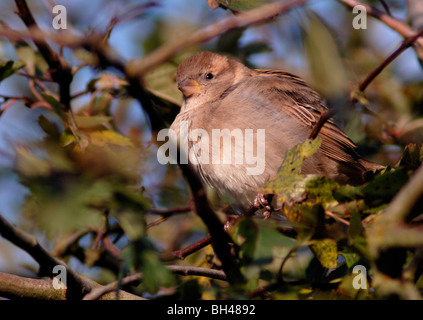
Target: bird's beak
[[188, 87]]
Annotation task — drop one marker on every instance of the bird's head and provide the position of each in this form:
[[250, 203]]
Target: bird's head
[[204, 76]]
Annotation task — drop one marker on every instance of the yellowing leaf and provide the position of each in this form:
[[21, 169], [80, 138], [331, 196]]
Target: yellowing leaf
[[109, 137], [110, 82], [326, 251], [87, 122]]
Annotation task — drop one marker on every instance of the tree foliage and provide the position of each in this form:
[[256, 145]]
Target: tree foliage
[[78, 127]]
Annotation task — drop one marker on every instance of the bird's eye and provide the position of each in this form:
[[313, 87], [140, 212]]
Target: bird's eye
[[209, 76]]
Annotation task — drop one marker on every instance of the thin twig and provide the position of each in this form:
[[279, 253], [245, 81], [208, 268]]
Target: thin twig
[[386, 7], [334, 216], [220, 239], [171, 211], [183, 253], [60, 71], [401, 27], [245, 18], [408, 42], [97, 293]]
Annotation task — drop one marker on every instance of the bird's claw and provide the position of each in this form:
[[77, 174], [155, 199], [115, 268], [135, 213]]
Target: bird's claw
[[263, 201]]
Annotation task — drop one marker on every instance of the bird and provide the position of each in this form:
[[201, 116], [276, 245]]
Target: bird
[[275, 109]]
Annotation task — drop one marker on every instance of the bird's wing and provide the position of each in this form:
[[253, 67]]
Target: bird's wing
[[294, 97]]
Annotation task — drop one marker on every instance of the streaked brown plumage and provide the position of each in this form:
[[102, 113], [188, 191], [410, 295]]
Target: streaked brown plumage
[[220, 92]]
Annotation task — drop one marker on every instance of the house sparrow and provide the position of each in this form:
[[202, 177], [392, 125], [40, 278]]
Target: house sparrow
[[265, 114]]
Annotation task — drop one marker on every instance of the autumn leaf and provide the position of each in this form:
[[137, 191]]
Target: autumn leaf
[[326, 252]]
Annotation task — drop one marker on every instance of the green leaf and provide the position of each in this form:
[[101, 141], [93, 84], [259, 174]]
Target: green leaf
[[322, 189], [258, 240], [346, 209], [346, 193], [141, 255], [132, 223], [49, 127], [9, 68], [55, 104], [260, 243], [327, 66], [243, 5], [49, 158], [289, 184], [246, 234], [34, 62], [355, 229], [228, 41], [412, 157], [30, 165], [351, 258], [311, 218], [162, 80], [385, 186], [356, 233], [62, 205]]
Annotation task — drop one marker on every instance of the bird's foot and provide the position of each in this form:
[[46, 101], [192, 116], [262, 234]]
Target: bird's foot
[[264, 201]]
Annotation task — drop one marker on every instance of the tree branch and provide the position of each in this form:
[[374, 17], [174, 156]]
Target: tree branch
[[17, 287], [77, 287], [97, 293], [408, 42], [183, 253], [59, 70], [220, 239], [402, 28], [245, 18]]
